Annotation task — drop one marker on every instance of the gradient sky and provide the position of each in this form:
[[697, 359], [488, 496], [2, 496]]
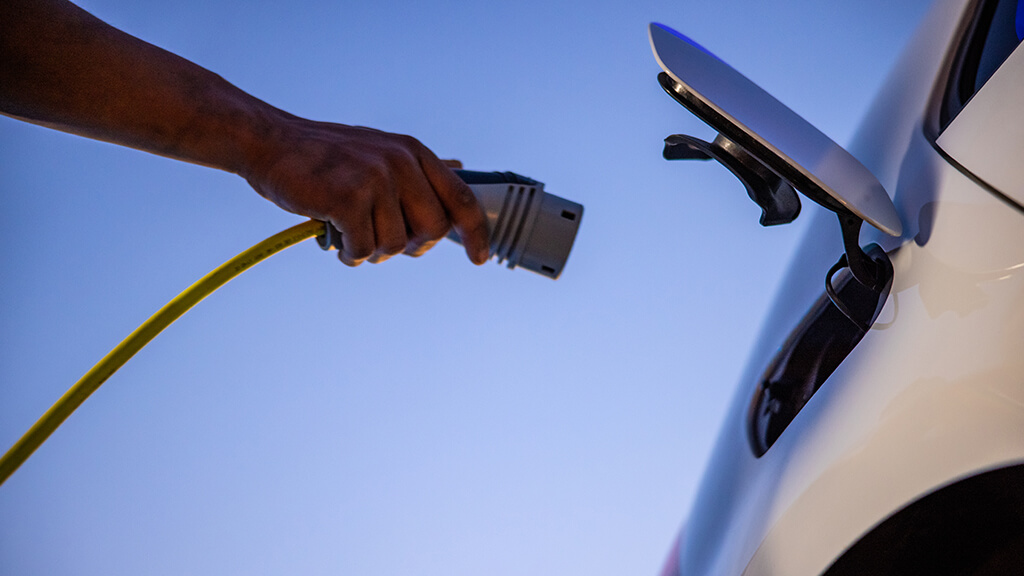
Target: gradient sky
[[423, 416]]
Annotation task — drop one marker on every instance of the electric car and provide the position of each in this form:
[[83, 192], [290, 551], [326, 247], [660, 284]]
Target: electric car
[[879, 425]]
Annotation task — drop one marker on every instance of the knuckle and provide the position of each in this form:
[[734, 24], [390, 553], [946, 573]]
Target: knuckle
[[463, 195], [354, 247], [410, 142], [346, 261], [480, 230], [375, 176], [434, 229], [358, 252], [392, 247], [420, 249]]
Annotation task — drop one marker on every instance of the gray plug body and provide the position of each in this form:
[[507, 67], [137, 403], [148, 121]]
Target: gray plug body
[[529, 228]]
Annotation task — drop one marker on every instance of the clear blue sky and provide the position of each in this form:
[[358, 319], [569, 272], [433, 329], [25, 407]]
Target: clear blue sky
[[423, 416]]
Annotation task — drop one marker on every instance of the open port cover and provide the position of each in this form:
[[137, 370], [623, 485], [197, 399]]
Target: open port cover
[[768, 131]]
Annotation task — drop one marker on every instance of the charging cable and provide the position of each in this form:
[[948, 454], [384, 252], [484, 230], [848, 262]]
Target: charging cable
[[142, 335]]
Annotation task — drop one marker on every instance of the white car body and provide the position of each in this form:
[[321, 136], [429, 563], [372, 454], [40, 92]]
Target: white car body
[[933, 395]]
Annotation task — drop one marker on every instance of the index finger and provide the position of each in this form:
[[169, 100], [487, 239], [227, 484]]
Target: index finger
[[463, 210]]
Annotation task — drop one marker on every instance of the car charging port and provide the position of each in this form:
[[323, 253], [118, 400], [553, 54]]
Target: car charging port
[[825, 336]]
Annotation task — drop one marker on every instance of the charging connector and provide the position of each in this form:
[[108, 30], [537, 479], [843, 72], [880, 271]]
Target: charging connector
[[529, 228]]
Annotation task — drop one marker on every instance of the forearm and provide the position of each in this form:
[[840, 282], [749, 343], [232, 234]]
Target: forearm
[[65, 69]]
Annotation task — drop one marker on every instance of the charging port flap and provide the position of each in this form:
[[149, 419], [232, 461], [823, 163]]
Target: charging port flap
[[757, 127]]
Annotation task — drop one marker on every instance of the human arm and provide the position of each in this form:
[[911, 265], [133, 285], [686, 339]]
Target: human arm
[[63, 68]]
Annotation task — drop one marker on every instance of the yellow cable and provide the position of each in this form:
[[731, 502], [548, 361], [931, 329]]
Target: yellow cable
[[142, 335]]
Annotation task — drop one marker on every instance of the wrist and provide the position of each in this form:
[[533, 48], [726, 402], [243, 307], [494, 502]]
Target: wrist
[[256, 128]]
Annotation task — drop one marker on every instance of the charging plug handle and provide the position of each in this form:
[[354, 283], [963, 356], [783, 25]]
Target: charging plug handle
[[529, 228]]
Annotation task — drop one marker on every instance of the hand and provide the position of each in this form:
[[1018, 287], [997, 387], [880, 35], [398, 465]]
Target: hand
[[62, 67], [386, 193]]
